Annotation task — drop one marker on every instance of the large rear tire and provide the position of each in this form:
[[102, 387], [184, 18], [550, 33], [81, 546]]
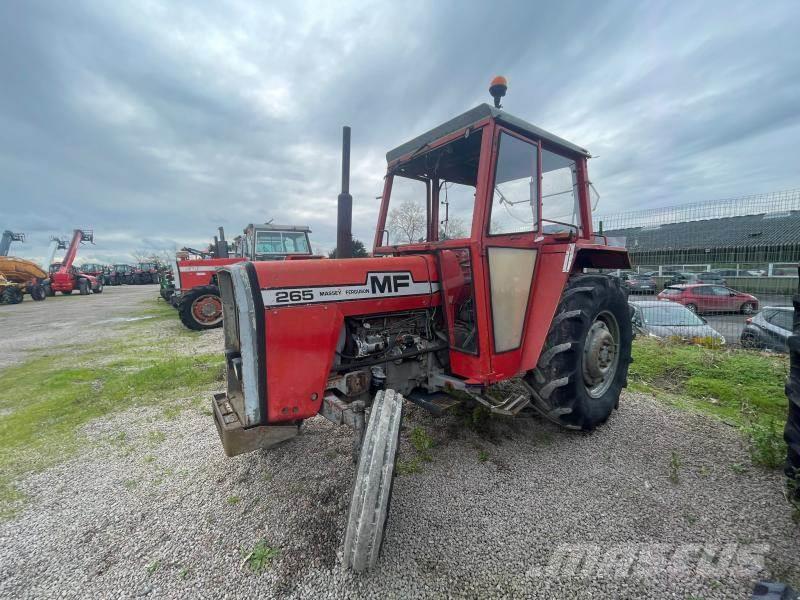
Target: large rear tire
[[201, 308], [584, 363], [792, 431], [83, 287], [11, 295], [372, 492]]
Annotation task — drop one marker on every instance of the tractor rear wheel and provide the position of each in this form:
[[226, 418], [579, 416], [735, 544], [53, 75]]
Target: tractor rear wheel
[[791, 434], [372, 492], [83, 287], [584, 362], [201, 308], [11, 295]]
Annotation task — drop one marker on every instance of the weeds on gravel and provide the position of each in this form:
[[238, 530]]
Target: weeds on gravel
[[483, 455], [47, 399], [744, 388], [233, 500], [409, 466], [259, 557], [422, 443], [674, 467]]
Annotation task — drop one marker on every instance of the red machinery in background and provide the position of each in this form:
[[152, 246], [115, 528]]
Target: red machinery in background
[[67, 277]]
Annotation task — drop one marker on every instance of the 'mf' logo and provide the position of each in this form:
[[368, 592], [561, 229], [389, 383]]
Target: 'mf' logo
[[388, 283]]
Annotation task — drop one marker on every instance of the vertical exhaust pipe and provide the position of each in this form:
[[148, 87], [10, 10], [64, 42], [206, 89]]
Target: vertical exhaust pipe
[[344, 225], [222, 244]]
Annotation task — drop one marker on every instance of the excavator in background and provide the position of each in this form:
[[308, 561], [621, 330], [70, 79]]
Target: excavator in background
[[56, 244], [7, 238], [67, 278]]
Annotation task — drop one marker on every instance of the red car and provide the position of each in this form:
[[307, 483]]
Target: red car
[[705, 298]]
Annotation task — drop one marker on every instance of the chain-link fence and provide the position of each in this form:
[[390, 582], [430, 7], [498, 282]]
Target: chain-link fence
[[718, 272]]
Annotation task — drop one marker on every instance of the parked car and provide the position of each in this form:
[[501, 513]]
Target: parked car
[[639, 284], [664, 320], [704, 298], [703, 277], [664, 273], [769, 329]]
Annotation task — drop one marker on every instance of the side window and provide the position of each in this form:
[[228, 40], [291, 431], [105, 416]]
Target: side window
[[408, 217], [559, 193], [515, 197], [703, 291], [721, 291]]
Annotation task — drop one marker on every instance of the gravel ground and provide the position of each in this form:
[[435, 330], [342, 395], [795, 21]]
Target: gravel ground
[[161, 513], [63, 320]]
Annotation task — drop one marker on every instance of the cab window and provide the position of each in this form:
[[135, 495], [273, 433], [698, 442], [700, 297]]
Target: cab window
[[452, 170], [515, 196], [559, 193]]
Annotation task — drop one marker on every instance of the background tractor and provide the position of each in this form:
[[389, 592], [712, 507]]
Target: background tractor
[[195, 292], [505, 311]]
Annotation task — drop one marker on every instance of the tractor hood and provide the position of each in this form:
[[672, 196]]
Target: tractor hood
[[300, 282]]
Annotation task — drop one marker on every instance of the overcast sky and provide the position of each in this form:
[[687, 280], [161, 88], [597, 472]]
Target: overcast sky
[[155, 122]]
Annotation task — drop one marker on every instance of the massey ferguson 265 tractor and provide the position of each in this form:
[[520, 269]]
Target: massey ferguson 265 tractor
[[509, 294], [195, 293]]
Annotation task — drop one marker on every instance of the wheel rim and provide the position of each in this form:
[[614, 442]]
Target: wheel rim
[[207, 309], [601, 354], [747, 309], [692, 308]]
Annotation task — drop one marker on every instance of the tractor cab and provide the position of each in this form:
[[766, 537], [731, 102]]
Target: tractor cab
[[499, 202], [273, 242]]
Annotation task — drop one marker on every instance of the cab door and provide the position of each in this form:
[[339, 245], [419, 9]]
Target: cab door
[[511, 240]]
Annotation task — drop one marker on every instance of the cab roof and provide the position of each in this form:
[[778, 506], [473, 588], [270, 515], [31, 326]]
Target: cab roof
[[474, 115], [274, 227]]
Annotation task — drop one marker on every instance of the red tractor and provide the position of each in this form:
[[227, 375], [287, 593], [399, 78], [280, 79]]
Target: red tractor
[[195, 293], [66, 278], [489, 274]]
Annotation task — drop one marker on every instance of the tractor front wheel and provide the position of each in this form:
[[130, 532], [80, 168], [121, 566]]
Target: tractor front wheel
[[201, 308], [99, 288], [83, 287], [584, 362], [38, 292], [372, 493]]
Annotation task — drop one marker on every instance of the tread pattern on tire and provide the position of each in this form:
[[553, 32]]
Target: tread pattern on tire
[[369, 506], [185, 308], [11, 295], [791, 433], [558, 376]]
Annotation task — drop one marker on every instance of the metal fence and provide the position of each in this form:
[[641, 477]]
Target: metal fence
[[720, 272]]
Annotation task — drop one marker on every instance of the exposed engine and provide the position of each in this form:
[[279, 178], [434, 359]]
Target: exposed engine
[[396, 349]]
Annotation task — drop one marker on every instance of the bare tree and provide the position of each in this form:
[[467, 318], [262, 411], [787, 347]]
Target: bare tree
[[453, 229], [407, 222]]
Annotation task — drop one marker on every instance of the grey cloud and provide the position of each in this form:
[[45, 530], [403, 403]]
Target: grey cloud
[[156, 123]]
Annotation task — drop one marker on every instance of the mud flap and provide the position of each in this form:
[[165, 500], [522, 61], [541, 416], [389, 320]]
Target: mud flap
[[238, 440]]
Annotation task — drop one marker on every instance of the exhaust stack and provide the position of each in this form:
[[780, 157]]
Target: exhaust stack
[[344, 226], [222, 244]]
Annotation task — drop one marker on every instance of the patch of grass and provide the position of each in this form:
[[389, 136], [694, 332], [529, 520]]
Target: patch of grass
[[48, 398], [742, 387], [233, 499], [738, 468], [409, 466], [767, 447], [422, 443], [674, 467], [483, 455], [260, 556], [184, 573], [152, 567], [156, 436]]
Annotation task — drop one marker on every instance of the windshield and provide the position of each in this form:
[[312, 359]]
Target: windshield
[[666, 315], [281, 242], [449, 172]]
